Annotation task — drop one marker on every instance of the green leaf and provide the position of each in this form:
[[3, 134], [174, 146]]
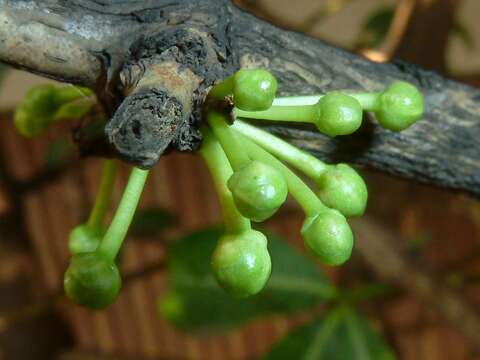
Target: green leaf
[[195, 302], [73, 110], [375, 28], [152, 221], [341, 334]]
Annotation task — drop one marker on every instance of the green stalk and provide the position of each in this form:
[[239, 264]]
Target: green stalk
[[113, 239], [236, 155], [218, 165], [306, 198], [368, 100], [104, 195], [308, 164], [304, 113], [223, 88]]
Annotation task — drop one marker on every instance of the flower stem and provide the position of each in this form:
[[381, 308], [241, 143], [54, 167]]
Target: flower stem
[[218, 165], [223, 133], [294, 113], [306, 198], [113, 239], [104, 195], [308, 164], [223, 88], [368, 100]]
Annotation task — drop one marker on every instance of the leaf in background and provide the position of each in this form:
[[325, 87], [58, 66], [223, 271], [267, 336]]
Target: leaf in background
[[465, 35], [341, 334], [152, 221], [195, 302], [375, 28], [58, 153], [73, 110]]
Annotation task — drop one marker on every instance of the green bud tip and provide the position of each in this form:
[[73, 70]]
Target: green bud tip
[[258, 190], [84, 239], [343, 189], [328, 237], [92, 280], [254, 90], [339, 114], [241, 263], [36, 111], [401, 105]]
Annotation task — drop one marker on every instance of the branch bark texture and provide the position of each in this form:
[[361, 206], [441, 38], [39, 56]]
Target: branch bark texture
[[112, 45]]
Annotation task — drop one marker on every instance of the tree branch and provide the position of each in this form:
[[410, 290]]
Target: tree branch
[[212, 38]]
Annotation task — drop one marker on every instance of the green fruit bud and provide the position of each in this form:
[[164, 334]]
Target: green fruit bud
[[254, 90], [84, 239], [241, 263], [343, 189], [92, 280], [401, 104], [328, 237], [35, 113], [258, 190], [339, 114]]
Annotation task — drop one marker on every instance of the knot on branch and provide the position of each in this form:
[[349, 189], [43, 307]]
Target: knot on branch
[[165, 82]]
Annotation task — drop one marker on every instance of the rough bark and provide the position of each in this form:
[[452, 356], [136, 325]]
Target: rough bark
[[121, 41]]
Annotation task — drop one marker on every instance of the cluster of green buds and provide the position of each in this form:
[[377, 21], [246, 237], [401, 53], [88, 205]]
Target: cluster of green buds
[[92, 278], [252, 180]]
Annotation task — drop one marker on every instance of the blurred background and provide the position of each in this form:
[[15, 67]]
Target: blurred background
[[414, 277]]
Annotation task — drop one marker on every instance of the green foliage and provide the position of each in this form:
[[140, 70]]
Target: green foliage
[[195, 302], [58, 153], [341, 334], [150, 222], [84, 239]]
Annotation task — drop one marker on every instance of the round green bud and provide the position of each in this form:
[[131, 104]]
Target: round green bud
[[254, 90], [241, 263], [92, 280], [328, 237], [84, 239], [35, 113], [401, 104], [338, 114], [258, 190], [340, 187]]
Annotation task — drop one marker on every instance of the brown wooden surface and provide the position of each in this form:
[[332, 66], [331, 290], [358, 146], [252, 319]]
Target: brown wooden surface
[[132, 325]]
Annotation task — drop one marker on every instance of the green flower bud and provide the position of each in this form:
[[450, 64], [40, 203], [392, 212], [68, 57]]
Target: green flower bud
[[35, 113], [339, 114], [254, 90], [84, 239], [258, 190], [92, 280], [241, 263], [328, 237], [401, 104], [343, 189]]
